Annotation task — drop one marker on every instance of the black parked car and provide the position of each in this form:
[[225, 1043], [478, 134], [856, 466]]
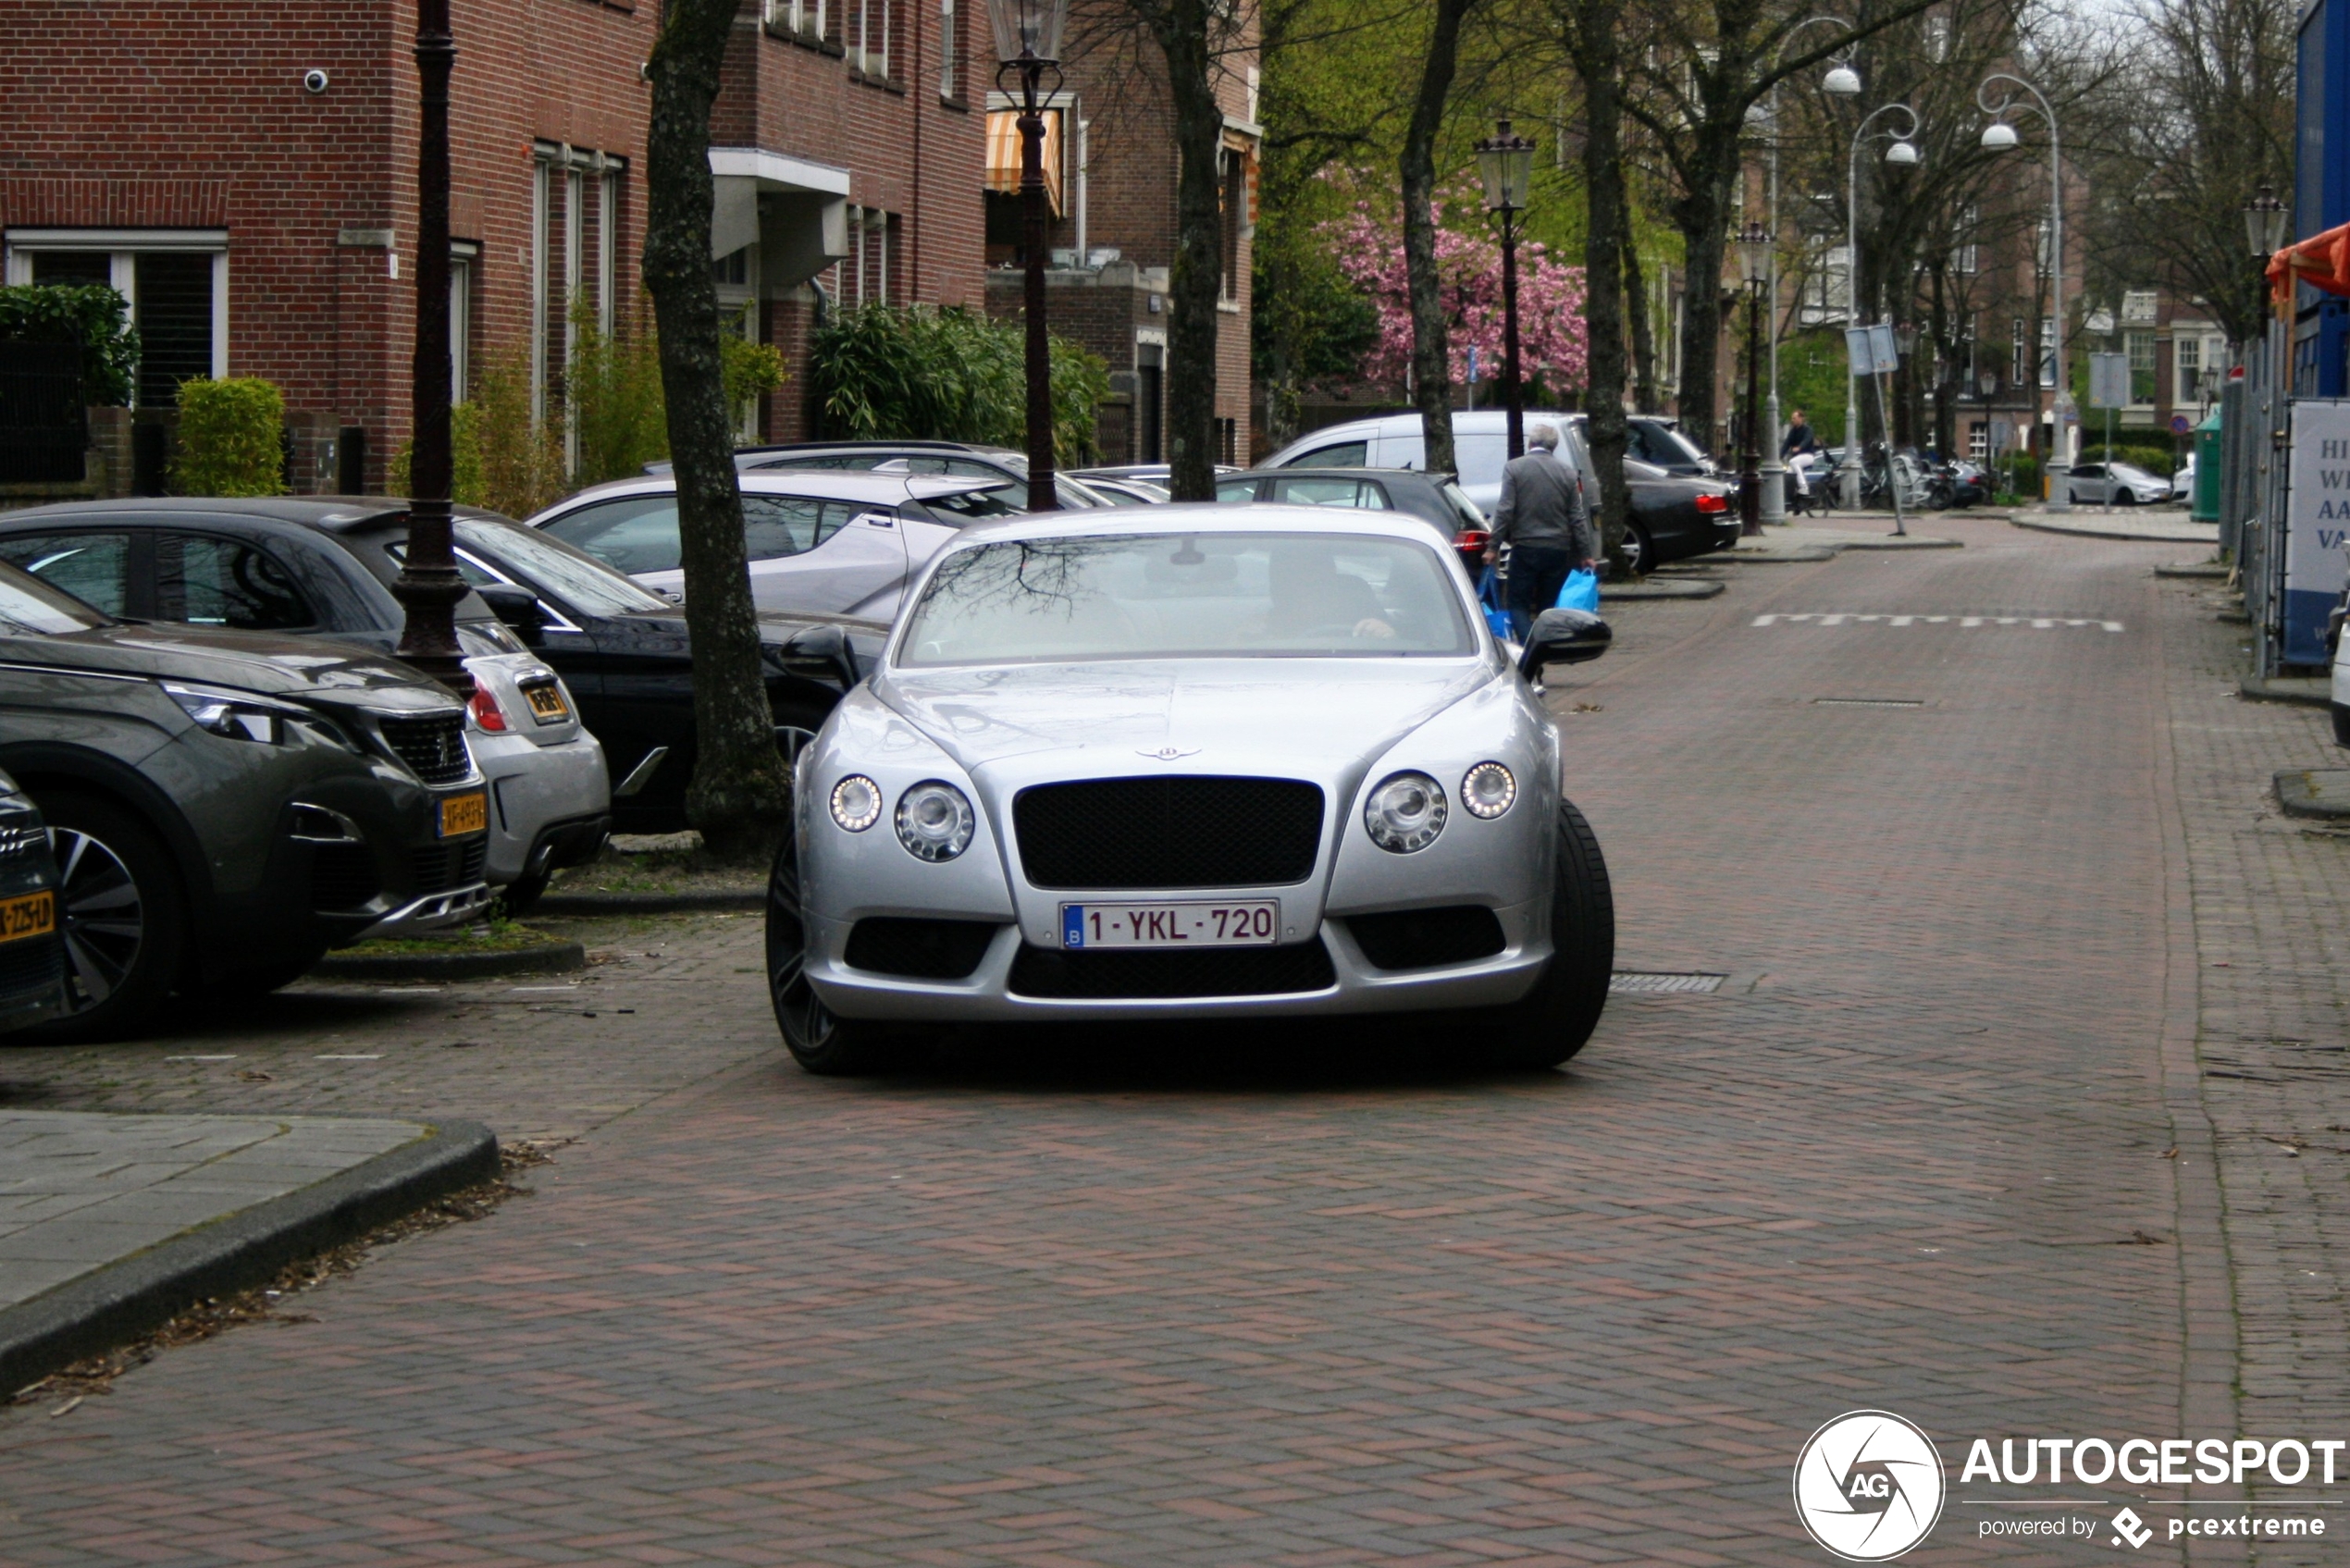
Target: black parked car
[[226, 805], [324, 565], [33, 949]]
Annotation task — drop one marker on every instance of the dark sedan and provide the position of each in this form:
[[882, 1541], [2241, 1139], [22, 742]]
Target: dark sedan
[[323, 566]]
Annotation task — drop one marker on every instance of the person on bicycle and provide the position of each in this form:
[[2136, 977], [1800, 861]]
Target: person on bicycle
[[1799, 444]]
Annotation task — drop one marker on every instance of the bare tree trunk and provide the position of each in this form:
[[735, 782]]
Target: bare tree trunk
[[1181, 31], [1645, 396], [1702, 215], [1594, 33], [740, 797], [1431, 353]]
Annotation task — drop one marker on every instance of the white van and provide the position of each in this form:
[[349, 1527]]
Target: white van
[[1479, 442]]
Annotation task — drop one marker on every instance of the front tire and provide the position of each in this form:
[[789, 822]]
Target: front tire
[[1639, 550], [1552, 1022], [820, 1041], [125, 918]]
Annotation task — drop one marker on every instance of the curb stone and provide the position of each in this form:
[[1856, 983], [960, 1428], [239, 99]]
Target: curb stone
[[108, 1306], [1684, 588], [546, 958], [2307, 691], [2210, 569], [649, 903], [2319, 793]]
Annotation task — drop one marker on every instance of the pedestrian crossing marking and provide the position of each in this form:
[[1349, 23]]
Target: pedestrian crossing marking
[[1842, 617]]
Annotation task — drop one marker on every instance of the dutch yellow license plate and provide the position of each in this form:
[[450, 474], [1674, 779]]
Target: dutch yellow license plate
[[34, 914], [461, 814], [547, 704]]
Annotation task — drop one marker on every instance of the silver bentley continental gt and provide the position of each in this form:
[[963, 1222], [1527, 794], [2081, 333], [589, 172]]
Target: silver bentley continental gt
[[1213, 761]]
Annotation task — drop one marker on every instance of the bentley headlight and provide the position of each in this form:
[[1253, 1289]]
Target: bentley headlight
[[1489, 790], [856, 803], [934, 821], [1405, 813]]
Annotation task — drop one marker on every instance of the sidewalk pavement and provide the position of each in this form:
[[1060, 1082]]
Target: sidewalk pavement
[[110, 1223], [1799, 542], [2164, 525]]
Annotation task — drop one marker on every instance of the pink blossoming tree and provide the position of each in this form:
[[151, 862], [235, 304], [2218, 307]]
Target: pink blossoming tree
[[1370, 248]]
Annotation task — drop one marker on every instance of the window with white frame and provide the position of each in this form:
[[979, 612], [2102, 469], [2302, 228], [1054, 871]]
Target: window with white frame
[[1966, 255], [2140, 348], [869, 37], [803, 16], [175, 280], [2019, 367], [1827, 280], [575, 205], [949, 50], [2186, 368], [461, 256]]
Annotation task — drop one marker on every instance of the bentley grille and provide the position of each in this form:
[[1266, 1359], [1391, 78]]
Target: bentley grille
[[1169, 833]]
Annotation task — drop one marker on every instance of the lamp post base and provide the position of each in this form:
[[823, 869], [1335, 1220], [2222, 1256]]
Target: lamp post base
[[1774, 493]]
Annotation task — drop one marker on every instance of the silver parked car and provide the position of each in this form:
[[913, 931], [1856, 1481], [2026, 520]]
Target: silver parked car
[[550, 795], [822, 541], [1201, 761]]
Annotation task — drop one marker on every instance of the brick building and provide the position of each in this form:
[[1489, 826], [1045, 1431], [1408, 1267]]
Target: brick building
[[1111, 168], [243, 172]]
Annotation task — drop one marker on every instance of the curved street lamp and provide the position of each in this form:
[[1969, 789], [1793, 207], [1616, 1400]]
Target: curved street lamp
[[1841, 81], [1028, 45], [1998, 137], [1903, 154], [1506, 161]]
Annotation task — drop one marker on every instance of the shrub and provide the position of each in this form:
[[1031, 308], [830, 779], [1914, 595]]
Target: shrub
[[522, 459], [231, 439], [618, 419], [922, 372], [464, 458], [90, 313]]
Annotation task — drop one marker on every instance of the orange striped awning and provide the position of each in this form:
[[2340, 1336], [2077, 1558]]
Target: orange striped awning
[[1003, 154]]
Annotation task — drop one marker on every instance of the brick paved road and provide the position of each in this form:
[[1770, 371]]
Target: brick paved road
[[1160, 1299]]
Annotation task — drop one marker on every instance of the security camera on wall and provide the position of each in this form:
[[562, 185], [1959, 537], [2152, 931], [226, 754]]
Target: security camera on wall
[[314, 80]]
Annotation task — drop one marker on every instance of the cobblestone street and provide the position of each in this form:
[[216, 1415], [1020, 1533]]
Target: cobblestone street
[[2022, 1110]]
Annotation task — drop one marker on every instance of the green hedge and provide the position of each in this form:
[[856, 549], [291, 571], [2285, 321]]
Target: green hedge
[[231, 439], [90, 313], [921, 372]]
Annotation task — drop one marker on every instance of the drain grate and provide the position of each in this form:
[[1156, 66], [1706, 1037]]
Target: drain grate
[[1867, 702], [1658, 985]]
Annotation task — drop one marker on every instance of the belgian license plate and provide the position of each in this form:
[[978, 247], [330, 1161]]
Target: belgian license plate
[[547, 704], [33, 914], [461, 814], [1237, 923]]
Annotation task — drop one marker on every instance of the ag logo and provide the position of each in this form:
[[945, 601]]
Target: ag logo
[[1868, 1486]]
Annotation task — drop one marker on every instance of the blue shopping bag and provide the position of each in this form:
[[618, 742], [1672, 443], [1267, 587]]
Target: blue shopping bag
[[1488, 597], [1580, 591]]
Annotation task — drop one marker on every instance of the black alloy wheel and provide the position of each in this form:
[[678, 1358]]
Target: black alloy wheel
[[124, 919], [1552, 1022], [819, 1040]]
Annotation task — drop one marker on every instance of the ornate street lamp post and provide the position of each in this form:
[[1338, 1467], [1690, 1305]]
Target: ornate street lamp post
[[428, 587], [1028, 45], [2264, 226], [1841, 81], [1506, 160], [1754, 258], [1903, 154], [1998, 137]]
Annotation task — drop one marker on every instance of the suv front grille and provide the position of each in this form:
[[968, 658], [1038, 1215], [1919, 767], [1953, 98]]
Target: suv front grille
[[1169, 833], [28, 967], [441, 867], [342, 876], [1137, 973], [433, 745]]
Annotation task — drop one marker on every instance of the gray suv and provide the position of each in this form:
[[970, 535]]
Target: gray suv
[[226, 805]]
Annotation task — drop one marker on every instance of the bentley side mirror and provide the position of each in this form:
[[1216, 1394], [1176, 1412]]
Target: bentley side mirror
[[1562, 637], [517, 607]]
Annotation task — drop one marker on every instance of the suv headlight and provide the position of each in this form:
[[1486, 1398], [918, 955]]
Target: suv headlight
[[242, 715], [934, 821], [1405, 813]]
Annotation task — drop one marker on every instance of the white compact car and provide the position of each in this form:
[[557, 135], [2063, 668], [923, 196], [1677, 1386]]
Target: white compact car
[[1480, 447], [549, 796], [1196, 763]]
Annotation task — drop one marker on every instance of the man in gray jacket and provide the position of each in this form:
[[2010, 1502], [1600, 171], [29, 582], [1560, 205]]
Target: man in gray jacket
[[1541, 517]]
